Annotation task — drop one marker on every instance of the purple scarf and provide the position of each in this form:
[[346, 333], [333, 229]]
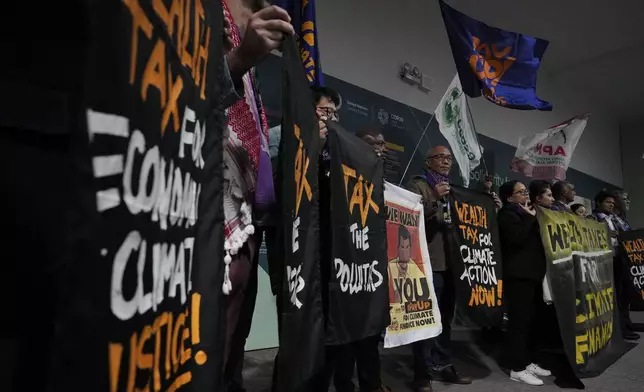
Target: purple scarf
[[434, 178]]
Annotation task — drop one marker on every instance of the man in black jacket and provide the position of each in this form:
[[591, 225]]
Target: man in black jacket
[[564, 194]]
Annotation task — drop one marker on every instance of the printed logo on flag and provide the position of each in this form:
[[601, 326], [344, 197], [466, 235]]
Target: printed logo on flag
[[452, 118]]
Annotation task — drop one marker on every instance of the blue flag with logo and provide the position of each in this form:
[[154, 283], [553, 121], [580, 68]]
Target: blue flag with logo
[[302, 13], [498, 64]]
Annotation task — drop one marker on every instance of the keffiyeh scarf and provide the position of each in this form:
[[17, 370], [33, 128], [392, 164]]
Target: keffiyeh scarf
[[245, 141]]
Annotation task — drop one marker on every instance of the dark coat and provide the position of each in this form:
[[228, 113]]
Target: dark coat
[[435, 227], [521, 247]]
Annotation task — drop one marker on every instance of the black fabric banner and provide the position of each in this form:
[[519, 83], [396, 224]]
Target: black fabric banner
[[580, 276], [358, 281], [476, 258], [144, 307], [632, 254], [301, 351]]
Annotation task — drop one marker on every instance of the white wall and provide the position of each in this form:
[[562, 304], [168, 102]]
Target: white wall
[[364, 42], [633, 164]]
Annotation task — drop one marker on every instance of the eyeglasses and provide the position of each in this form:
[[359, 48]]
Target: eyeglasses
[[441, 157], [330, 113], [523, 192]]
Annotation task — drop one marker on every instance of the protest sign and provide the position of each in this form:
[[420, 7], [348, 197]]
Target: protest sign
[[302, 321], [413, 308], [580, 272], [632, 252], [358, 295], [546, 155], [144, 305], [476, 258]]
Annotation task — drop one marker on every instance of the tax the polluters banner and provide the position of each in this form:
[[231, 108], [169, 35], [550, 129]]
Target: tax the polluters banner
[[632, 254], [358, 290], [580, 273], [145, 306], [476, 258], [413, 308], [502, 65], [302, 322], [546, 155]]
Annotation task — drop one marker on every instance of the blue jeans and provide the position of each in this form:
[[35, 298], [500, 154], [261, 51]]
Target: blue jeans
[[435, 354]]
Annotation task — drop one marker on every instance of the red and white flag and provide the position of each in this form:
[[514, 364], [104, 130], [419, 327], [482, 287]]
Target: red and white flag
[[546, 155]]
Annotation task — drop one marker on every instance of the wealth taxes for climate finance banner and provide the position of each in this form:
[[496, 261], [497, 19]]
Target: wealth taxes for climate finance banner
[[476, 258], [632, 252], [412, 301], [580, 273], [358, 295], [302, 321], [145, 283]]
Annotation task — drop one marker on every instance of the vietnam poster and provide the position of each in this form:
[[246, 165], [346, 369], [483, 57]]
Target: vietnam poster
[[580, 273], [476, 258], [146, 307], [413, 308], [358, 290]]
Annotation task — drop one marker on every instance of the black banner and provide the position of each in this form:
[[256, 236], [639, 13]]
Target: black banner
[[358, 284], [580, 275], [476, 258], [145, 309], [632, 252], [302, 322]]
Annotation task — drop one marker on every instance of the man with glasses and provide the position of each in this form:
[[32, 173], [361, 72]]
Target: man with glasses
[[564, 194], [432, 357], [327, 104]]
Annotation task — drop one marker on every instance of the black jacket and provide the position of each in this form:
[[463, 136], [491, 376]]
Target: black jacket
[[521, 247]]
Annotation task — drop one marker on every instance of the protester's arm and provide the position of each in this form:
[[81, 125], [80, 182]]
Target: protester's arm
[[265, 32], [515, 228]]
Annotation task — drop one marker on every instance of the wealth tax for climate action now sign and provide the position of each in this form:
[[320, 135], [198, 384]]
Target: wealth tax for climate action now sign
[[476, 258]]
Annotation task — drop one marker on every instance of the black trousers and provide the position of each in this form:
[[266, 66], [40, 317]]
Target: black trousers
[[365, 354], [436, 353], [524, 302]]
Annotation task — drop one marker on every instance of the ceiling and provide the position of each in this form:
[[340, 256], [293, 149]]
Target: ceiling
[[597, 47]]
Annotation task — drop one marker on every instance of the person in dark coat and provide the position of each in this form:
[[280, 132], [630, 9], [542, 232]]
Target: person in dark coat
[[524, 268], [433, 357]]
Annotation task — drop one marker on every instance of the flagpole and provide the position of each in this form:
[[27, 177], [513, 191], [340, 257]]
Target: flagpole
[[469, 111], [417, 144]]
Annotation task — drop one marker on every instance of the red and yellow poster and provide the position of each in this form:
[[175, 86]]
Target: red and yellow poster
[[412, 301]]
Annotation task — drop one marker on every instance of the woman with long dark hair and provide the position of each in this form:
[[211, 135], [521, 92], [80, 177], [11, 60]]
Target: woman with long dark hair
[[524, 268]]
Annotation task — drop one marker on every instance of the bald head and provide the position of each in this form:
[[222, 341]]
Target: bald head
[[439, 160]]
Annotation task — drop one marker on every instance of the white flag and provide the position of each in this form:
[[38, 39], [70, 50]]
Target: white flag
[[546, 155], [456, 127]]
